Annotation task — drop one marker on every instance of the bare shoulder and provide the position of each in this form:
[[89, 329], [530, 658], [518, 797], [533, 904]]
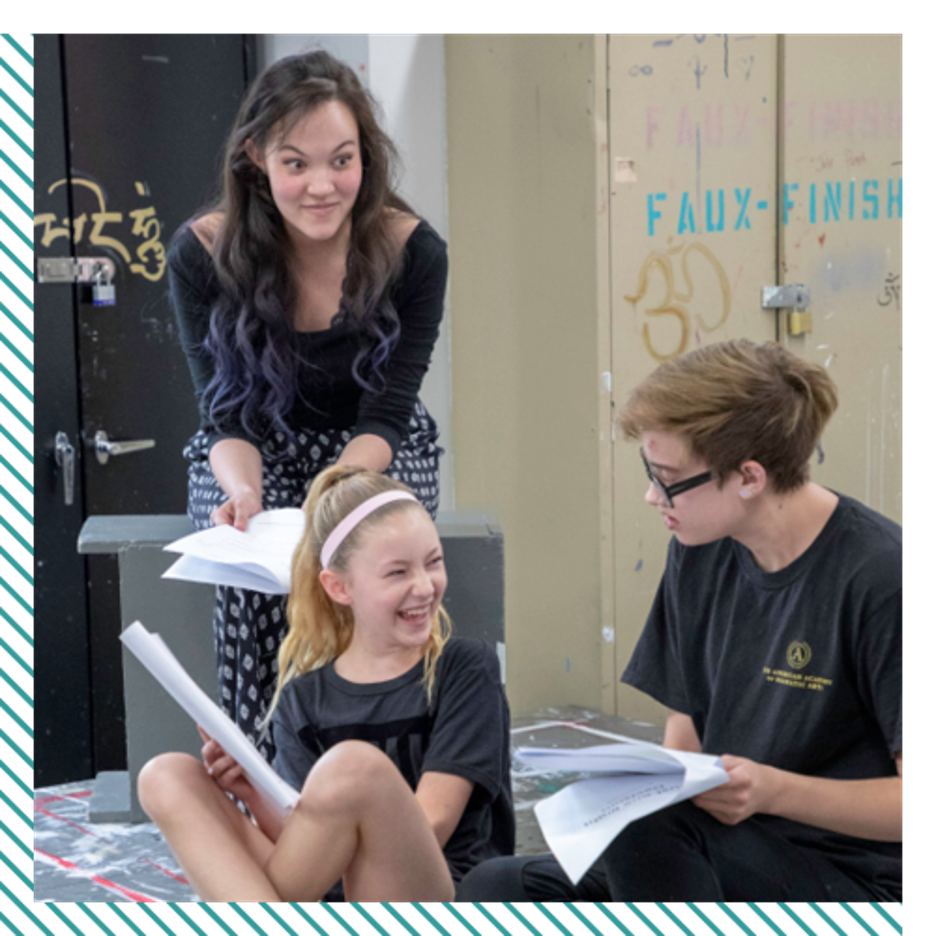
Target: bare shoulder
[[402, 225], [206, 228]]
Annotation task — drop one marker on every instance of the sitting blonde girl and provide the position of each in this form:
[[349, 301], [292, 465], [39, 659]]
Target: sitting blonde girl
[[396, 735]]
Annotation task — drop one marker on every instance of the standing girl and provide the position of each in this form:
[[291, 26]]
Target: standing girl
[[308, 302], [397, 736]]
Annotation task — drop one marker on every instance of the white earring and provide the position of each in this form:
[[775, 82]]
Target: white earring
[[744, 493]]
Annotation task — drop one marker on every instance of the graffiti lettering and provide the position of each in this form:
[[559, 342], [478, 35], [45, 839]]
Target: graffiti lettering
[[652, 213], [873, 119], [698, 69], [743, 199], [891, 291], [145, 224], [698, 37], [720, 225], [829, 125], [686, 215], [150, 255], [830, 201]]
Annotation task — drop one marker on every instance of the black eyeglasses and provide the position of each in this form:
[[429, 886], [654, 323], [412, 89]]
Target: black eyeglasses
[[680, 487]]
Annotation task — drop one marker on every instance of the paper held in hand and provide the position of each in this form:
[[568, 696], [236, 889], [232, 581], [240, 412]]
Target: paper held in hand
[[153, 653], [258, 558], [580, 821]]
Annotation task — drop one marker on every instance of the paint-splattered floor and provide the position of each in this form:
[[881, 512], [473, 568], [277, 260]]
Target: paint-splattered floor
[[80, 861]]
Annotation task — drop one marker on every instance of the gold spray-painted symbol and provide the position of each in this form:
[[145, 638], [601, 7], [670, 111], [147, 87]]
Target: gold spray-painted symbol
[[676, 301]]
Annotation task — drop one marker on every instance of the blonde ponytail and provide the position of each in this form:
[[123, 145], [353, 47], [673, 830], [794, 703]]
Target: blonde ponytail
[[320, 629]]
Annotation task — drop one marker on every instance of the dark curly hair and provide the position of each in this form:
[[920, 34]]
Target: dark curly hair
[[252, 338]]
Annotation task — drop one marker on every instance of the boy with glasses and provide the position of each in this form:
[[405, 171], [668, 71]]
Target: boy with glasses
[[774, 640]]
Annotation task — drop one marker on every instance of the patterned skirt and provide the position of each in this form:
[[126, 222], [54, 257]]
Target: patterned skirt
[[249, 626]]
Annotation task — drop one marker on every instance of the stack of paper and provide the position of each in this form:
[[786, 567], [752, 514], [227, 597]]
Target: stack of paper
[[153, 653], [258, 558], [580, 821]]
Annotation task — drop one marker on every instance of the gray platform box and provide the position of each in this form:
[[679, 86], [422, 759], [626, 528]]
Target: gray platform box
[[181, 613]]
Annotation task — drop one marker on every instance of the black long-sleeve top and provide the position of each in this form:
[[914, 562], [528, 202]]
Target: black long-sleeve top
[[327, 395]]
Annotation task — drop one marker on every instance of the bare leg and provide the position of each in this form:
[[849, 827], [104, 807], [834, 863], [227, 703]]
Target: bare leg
[[358, 818], [220, 849]]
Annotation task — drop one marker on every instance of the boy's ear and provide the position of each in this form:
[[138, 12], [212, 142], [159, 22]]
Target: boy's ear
[[334, 586], [753, 478]]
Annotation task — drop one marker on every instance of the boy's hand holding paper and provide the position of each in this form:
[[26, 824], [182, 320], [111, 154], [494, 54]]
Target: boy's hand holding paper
[[580, 821]]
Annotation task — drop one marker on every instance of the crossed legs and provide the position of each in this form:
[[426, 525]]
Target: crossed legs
[[356, 819]]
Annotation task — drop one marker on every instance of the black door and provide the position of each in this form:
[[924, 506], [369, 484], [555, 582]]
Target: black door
[[129, 132]]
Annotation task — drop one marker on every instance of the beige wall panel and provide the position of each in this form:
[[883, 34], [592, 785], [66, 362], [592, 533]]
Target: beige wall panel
[[693, 151], [523, 204], [842, 239], [570, 261]]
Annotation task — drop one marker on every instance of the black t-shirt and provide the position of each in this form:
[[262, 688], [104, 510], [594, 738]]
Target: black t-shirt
[[800, 669], [466, 733], [328, 396]]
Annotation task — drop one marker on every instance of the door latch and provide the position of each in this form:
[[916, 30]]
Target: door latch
[[99, 272], [795, 297], [65, 459]]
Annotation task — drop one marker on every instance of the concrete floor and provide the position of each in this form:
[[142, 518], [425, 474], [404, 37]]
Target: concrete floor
[[77, 860]]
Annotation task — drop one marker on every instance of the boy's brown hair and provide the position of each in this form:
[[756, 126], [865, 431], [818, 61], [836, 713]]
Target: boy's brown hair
[[737, 401]]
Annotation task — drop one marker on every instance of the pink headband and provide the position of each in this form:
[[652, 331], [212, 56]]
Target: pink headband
[[337, 536]]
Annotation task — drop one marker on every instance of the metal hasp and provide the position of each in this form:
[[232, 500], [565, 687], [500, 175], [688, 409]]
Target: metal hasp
[[65, 459], [99, 272], [104, 448], [794, 296], [75, 270]]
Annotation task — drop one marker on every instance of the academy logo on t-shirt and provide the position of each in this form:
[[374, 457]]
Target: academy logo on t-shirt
[[798, 654]]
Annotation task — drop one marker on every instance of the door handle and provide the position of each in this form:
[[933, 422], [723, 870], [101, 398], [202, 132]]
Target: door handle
[[65, 459], [104, 448]]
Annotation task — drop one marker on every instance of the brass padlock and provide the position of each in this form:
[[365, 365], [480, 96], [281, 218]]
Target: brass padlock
[[792, 296], [799, 323]]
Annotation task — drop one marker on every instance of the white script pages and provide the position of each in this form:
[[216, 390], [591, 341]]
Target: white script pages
[[580, 821], [259, 558], [153, 653]]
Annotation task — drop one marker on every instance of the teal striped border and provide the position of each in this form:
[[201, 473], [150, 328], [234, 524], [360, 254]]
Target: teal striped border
[[18, 913], [16, 481]]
